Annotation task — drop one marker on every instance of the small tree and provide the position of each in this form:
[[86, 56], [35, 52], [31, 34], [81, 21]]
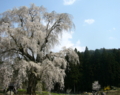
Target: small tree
[[96, 86], [27, 36]]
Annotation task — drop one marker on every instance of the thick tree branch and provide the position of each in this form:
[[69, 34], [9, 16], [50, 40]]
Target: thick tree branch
[[21, 20], [49, 32], [12, 37], [12, 49]]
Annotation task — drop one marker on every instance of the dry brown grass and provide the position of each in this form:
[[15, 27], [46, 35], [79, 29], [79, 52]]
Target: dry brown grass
[[113, 92]]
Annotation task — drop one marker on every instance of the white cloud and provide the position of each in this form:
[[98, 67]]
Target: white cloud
[[89, 21], [77, 45], [68, 2], [65, 41]]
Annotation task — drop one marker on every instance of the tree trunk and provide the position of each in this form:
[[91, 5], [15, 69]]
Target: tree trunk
[[32, 82], [74, 87]]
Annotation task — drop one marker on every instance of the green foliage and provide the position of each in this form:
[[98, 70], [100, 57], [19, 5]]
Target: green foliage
[[21, 90]]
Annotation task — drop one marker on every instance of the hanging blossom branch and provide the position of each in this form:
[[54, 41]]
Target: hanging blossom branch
[[27, 36]]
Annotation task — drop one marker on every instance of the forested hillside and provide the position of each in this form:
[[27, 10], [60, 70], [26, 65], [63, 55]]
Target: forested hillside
[[102, 65]]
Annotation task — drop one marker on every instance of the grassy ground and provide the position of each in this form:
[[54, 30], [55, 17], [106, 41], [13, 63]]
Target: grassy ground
[[23, 92]]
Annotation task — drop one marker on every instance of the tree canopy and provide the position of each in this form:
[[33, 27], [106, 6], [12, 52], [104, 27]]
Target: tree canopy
[[27, 35]]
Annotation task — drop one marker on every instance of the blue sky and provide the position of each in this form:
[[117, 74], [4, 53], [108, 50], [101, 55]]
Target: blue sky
[[97, 22]]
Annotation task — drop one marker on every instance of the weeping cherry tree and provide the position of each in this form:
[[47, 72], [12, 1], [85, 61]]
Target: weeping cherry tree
[[27, 35]]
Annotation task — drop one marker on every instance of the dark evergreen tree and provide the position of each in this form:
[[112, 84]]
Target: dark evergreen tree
[[72, 76], [101, 65]]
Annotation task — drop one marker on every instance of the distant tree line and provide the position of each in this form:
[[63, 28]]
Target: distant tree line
[[101, 65]]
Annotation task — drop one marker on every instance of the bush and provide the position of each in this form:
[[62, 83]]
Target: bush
[[107, 88]]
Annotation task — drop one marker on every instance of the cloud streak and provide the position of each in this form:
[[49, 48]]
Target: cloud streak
[[68, 2], [89, 21]]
